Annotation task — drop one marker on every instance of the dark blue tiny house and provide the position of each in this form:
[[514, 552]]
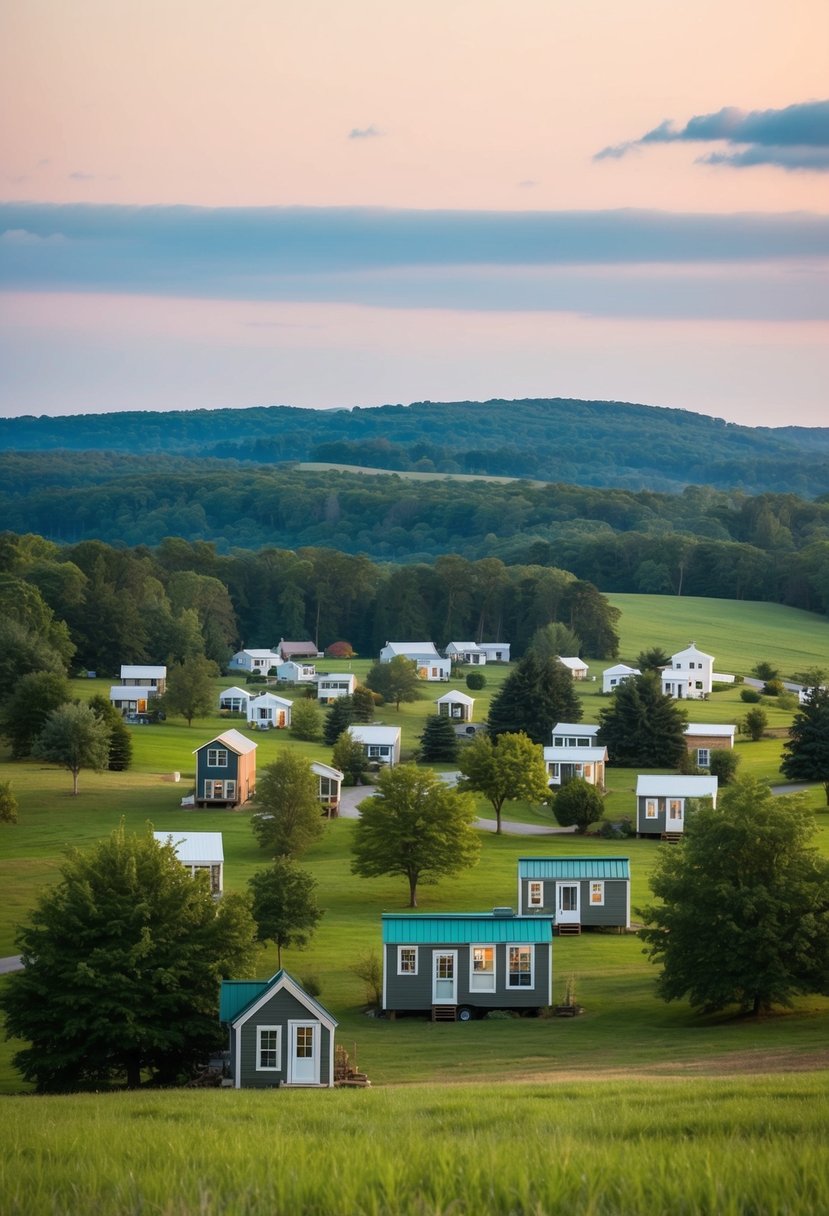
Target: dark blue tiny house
[[225, 770], [460, 965], [279, 1035], [578, 892]]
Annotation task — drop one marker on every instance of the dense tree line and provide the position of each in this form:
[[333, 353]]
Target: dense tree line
[[549, 439], [97, 607]]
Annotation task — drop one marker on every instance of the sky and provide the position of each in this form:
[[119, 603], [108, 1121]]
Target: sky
[[330, 203]]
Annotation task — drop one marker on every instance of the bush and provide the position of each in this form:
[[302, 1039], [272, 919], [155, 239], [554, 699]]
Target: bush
[[773, 688], [370, 971], [312, 985], [723, 765], [750, 695], [476, 680]]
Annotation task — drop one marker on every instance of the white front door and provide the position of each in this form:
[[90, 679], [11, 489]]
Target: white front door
[[304, 1053], [445, 977], [676, 815], [567, 903]]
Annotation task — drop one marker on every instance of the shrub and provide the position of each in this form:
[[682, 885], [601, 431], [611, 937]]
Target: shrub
[[312, 985], [369, 970], [773, 688], [750, 695], [476, 680], [723, 766]]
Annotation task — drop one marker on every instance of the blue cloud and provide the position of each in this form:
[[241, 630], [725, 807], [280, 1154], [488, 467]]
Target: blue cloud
[[794, 138], [621, 262]]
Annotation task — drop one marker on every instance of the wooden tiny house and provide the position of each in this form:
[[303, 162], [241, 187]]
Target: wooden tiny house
[[225, 770]]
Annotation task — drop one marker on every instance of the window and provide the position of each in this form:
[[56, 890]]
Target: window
[[555, 770], [482, 972], [374, 750], [698, 684], [230, 789], [650, 808], [304, 1042], [519, 967], [675, 809], [536, 895], [703, 757], [407, 960], [216, 757], [268, 1048], [596, 894], [558, 740]]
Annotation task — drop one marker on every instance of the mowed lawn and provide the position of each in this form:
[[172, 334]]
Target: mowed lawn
[[624, 1027]]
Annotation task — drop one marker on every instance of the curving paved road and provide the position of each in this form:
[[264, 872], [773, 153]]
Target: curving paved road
[[13, 963]]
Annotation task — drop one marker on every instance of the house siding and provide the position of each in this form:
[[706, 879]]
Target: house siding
[[414, 992], [282, 1008]]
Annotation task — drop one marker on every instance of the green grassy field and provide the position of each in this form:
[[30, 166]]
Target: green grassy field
[[604, 1148]]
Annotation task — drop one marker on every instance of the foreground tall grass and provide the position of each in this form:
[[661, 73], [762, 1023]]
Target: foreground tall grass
[[692, 1147]]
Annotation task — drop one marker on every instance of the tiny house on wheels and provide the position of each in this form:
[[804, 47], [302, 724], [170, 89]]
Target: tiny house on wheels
[[461, 965], [279, 1035], [578, 892]]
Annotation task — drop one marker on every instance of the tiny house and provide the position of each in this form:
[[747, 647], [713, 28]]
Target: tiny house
[[333, 685], [268, 711], [578, 892], [612, 677], [461, 965], [661, 802], [279, 1035], [225, 770], [455, 705], [200, 853], [329, 786], [703, 738], [381, 744]]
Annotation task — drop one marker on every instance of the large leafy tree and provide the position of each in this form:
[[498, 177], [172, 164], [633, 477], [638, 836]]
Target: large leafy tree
[[396, 680], [806, 751], [578, 804], [122, 962], [190, 692], [533, 698], [743, 911], [26, 710], [284, 905], [75, 738], [415, 825], [513, 767], [642, 726], [289, 816], [349, 756]]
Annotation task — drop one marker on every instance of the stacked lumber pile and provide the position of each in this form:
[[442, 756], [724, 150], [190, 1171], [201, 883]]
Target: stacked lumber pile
[[346, 1073]]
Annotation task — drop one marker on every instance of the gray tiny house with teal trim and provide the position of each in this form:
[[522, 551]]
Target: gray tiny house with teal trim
[[461, 965], [577, 892], [279, 1035]]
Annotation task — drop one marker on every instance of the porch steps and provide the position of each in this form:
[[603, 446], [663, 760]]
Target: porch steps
[[568, 930], [671, 837], [444, 1013]]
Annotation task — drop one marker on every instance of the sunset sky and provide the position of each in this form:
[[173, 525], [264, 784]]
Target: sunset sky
[[350, 202]]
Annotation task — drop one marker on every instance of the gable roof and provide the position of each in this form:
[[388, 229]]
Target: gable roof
[[325, 770], [622, 669], [692, 651], [293, 650], [234, 691], [574, 867], [268, 698], [374, 734], [413, 649], [461, 928], [239, 999], [234, 739], [574, 664], [194, 848], [677, 787], [455, 697]]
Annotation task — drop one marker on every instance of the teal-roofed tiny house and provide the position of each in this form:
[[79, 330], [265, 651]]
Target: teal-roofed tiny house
[[461, 965], [279, 1035], [577, 892]]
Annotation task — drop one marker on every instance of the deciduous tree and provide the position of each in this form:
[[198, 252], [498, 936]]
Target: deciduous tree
[[754, 724], [306, 720], [190, 692], [578, 804], [511, 768], [28, 706], [349, 756], [396, 680], [8, 803], [285, 908], [743, 911], [123, 959], [415, 825], [74, 738], [289, 816]]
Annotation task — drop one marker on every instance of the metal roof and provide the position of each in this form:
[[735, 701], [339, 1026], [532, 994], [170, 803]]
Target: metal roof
[[676, 787], [325, 770], [194, 848], [715, 731], [234, 739], [574, 867], [238, 995], [374, 734], [449, 929], [576, 728], [132, 671], [575, 755]]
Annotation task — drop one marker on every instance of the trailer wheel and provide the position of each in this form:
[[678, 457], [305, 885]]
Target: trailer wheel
[[465, 1014]]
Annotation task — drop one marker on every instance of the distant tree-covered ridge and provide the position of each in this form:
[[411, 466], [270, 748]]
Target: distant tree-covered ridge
[[587, 442]]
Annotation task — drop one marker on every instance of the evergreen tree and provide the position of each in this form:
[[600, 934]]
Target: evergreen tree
[[123, 960], [532, 699], [120, 739], [642, 726], [349, 756], [438, 741], [743, 911], [339, 716], [806, 751], [74, 738], [285, 908]]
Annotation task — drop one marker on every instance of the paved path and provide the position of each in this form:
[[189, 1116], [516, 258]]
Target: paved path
[[794, 787], [13, 963], [351, 795]]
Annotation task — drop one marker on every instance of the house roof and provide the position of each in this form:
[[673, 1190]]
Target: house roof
[[494, 645], [128, 692], [293, 650], [325, 770], [575, 728], [374, 734], [622, 669], [574, 664], [238, 997], [714, 730], [133, 672], [471, 646], [259, 654], [335, 675], [194, 848], [581, 755], [413, 649], [234, 739], [692, 650], [448, 928], [574, 867], [234, 691], [270, 698], [676, 787]]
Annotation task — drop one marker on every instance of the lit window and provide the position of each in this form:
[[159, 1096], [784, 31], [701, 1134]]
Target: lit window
[[675, 809], [536, 895], [520, 967], [650, 809], [597, 894], [268, 1048], [482, 975], [407, 960]]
